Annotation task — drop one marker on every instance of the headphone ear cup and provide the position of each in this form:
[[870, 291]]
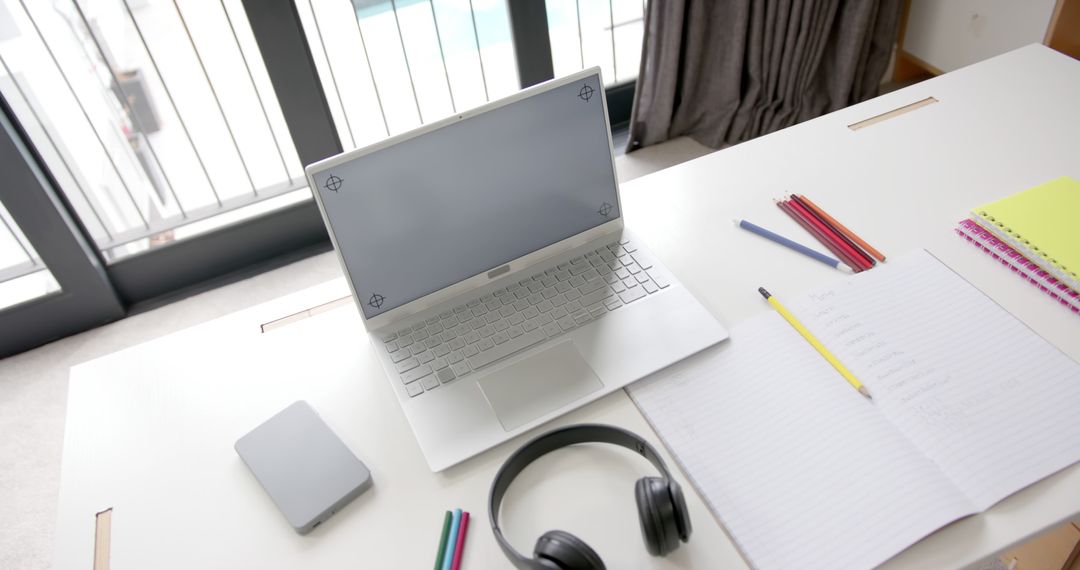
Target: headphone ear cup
[[566, 552], [682, 514], [657, 515]]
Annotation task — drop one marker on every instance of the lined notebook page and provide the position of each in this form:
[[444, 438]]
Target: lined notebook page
[[801, 469], [984, 397]]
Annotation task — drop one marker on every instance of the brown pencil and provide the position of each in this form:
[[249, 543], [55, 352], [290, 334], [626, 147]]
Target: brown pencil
[[839, 253], [840, 227], [799, 204]]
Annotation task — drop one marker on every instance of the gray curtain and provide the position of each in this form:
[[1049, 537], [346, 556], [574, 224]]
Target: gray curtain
[[725, 71]]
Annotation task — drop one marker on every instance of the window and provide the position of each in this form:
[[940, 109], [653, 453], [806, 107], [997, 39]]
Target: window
[[388, 66], [157, 146], [153, 115], [587, 33]]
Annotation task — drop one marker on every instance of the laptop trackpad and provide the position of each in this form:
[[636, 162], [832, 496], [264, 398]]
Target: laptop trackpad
[[538, 385]]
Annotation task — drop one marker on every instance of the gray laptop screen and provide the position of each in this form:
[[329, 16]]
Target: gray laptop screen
[[431, 211]]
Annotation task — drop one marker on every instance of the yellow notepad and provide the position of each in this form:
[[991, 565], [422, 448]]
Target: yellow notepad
[[1044, 221]]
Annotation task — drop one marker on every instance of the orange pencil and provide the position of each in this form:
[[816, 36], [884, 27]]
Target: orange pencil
[[840, 227], [832, 246]]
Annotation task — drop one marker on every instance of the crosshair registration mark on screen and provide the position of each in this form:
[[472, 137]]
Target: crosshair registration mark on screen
[[333, 183], [586, 92]]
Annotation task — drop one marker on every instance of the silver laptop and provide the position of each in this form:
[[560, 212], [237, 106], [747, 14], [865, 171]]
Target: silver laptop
[[489, 260]]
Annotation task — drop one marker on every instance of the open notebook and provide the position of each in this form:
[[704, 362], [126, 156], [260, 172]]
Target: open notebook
[[969, 407]]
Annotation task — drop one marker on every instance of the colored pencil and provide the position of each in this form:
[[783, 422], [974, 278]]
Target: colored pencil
[[821, 238], [830, 235], [777, 238], [460, 542], [854, 237], [836, 233], [442, 541], [451, 541], [814, 342], [862, 260]]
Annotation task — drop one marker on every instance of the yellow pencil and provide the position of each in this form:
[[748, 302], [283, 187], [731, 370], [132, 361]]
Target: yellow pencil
[[814, 342]]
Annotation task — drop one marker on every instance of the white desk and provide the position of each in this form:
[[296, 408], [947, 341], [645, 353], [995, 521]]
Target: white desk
[[150, 429]]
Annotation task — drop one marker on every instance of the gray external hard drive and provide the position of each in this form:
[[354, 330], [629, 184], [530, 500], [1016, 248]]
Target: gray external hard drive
[[305, 468]]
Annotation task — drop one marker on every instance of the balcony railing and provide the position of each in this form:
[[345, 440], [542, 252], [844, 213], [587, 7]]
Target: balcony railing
[[159, 122], [388, 66], [152, 114]]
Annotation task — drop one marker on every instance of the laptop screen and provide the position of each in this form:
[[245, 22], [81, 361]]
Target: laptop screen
[[426, 213]]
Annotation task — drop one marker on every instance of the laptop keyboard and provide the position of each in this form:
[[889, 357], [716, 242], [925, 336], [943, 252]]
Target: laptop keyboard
[[501, 323]]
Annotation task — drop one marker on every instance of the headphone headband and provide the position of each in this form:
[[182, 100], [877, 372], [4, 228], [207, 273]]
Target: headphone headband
[[548, 442]]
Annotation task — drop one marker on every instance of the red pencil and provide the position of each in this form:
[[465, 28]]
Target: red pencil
[[821, 238], [836, 224], [460, 548], [857, 257], [835, 230]]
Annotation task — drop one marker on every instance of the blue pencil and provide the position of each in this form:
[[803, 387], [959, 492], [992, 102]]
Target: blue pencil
[[793, 245], [451, 541]]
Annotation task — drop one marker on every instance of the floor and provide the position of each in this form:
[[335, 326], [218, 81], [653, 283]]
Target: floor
[[33, 385]]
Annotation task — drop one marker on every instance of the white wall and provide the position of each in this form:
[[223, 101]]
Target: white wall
[[950, 34]]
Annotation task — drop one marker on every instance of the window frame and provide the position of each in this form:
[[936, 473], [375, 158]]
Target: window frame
[[86, 298]]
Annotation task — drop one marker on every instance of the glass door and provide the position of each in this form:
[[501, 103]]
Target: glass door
[[51, 281], [23, 275]]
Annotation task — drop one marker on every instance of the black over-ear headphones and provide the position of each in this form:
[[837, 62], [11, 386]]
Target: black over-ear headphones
[[661, 507]]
